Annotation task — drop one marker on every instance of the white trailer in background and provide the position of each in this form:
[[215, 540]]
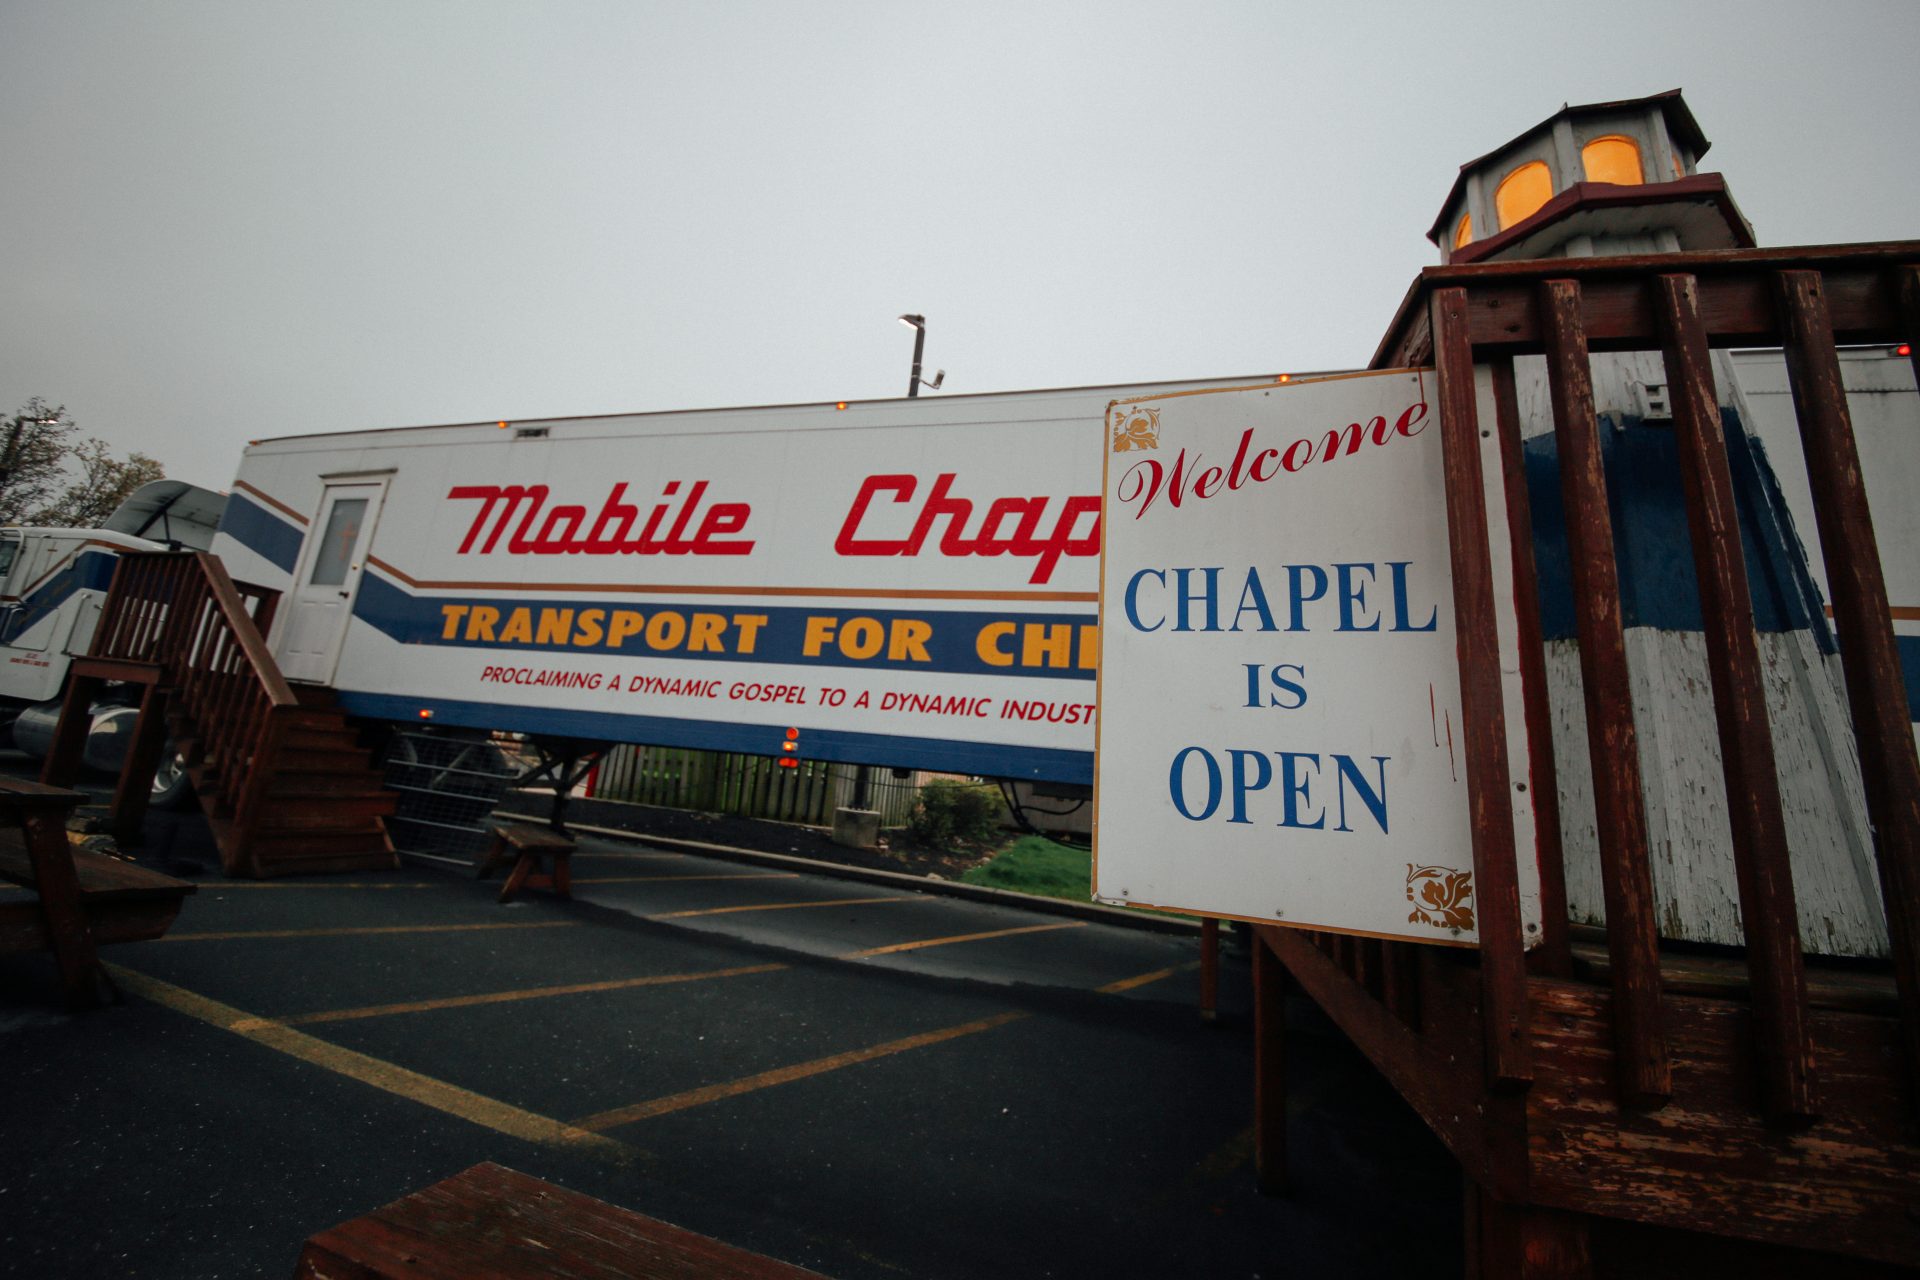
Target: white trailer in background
[[52, 585]]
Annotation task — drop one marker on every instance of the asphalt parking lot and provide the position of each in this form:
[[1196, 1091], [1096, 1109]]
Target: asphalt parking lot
[[863, 1080]]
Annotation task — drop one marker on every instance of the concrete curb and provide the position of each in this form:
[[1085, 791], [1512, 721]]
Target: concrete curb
[[1091, 911]]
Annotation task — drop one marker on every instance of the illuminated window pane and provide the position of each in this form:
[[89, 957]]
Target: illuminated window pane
[[1613, 159], [1522, 192], [1463, 234]]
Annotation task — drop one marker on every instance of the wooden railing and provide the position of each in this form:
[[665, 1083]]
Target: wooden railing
[[180, 612], [1682, 305]]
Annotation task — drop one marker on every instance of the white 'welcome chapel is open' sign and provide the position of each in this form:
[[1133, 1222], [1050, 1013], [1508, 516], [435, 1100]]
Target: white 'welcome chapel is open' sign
[[1280, 737]]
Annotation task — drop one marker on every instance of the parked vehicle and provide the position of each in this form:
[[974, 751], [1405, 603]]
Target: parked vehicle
[[52, 585], [909, 583]]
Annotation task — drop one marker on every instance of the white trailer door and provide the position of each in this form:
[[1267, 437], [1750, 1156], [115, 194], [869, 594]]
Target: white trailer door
[[327, 578]]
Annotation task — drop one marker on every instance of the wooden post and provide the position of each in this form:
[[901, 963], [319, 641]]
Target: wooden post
[[1209, 969], [41, 811], [1523, 1242], [1400, 982], [1555, 954], [1269, 1067], [135, 787], [1876, 691], [1496, 890], [70, 733], [1640, 1046], [1781, 1032]]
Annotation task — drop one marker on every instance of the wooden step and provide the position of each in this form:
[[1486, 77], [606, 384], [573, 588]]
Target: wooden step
[[287, 785], [365, 848], [324, 760], [305, 853], [325, 813], [180, 724], [268, 863], [318, 738], [298, 788]]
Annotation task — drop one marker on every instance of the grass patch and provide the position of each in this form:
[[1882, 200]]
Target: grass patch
[[1036, 865]]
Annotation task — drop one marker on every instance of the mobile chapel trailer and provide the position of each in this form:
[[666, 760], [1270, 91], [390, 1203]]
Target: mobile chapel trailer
[[907, 583]]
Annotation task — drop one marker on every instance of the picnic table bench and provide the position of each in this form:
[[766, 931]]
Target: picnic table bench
[[82, 899], [495, 1222], [527, 845]]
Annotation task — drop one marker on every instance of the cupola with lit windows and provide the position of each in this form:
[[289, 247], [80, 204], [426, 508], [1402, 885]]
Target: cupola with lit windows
[[1605, 179]]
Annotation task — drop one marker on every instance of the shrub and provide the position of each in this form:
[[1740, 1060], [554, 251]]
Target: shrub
[[951, 812]]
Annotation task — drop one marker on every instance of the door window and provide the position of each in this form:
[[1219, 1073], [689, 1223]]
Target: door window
[[334, 556]]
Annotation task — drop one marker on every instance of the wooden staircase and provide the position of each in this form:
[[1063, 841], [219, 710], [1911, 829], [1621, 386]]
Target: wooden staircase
[[285, 784], [323, 808]]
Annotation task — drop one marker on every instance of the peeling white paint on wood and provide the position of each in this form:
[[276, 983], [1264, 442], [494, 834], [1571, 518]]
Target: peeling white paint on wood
[[1690, 842]]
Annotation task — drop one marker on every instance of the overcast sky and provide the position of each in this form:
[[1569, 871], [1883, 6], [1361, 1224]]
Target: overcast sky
[[225, 221]]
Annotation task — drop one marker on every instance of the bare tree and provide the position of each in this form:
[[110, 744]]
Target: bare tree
[[52, 476]]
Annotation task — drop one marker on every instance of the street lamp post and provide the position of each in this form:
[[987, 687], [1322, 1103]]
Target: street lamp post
[[914, 381], [919, 326]]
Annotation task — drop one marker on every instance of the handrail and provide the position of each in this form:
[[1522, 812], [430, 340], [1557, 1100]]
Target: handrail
[[1683, 306], [181, 612], [226, 598]]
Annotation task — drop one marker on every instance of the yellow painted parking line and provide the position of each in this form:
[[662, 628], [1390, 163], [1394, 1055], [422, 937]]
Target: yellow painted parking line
[[962, 937], [748, 875], [1128, 984], [487, 1112], [233, 934], [782, 906], [785, 1075], [529, 993], [328, 884]]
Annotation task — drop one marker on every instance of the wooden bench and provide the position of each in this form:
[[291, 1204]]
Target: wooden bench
[[491, 1221], [526, 845], [81, 899]]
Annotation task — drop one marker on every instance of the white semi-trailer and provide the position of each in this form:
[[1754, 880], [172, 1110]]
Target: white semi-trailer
[[907, 582]]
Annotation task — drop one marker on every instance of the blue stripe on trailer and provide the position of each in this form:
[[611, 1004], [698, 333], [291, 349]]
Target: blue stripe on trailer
[[261, 531], [88, 571], [952, 647], [936, 754]]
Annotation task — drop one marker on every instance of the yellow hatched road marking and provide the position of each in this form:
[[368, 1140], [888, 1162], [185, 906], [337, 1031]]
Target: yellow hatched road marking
[[230, 935], [781, 906], [487, 1112], [785, 1075], [529, 993], [962, 937], [1128, 984], [621, 984], [819, 1066]]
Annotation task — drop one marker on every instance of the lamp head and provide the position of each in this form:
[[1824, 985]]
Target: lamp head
[[914, 322]]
